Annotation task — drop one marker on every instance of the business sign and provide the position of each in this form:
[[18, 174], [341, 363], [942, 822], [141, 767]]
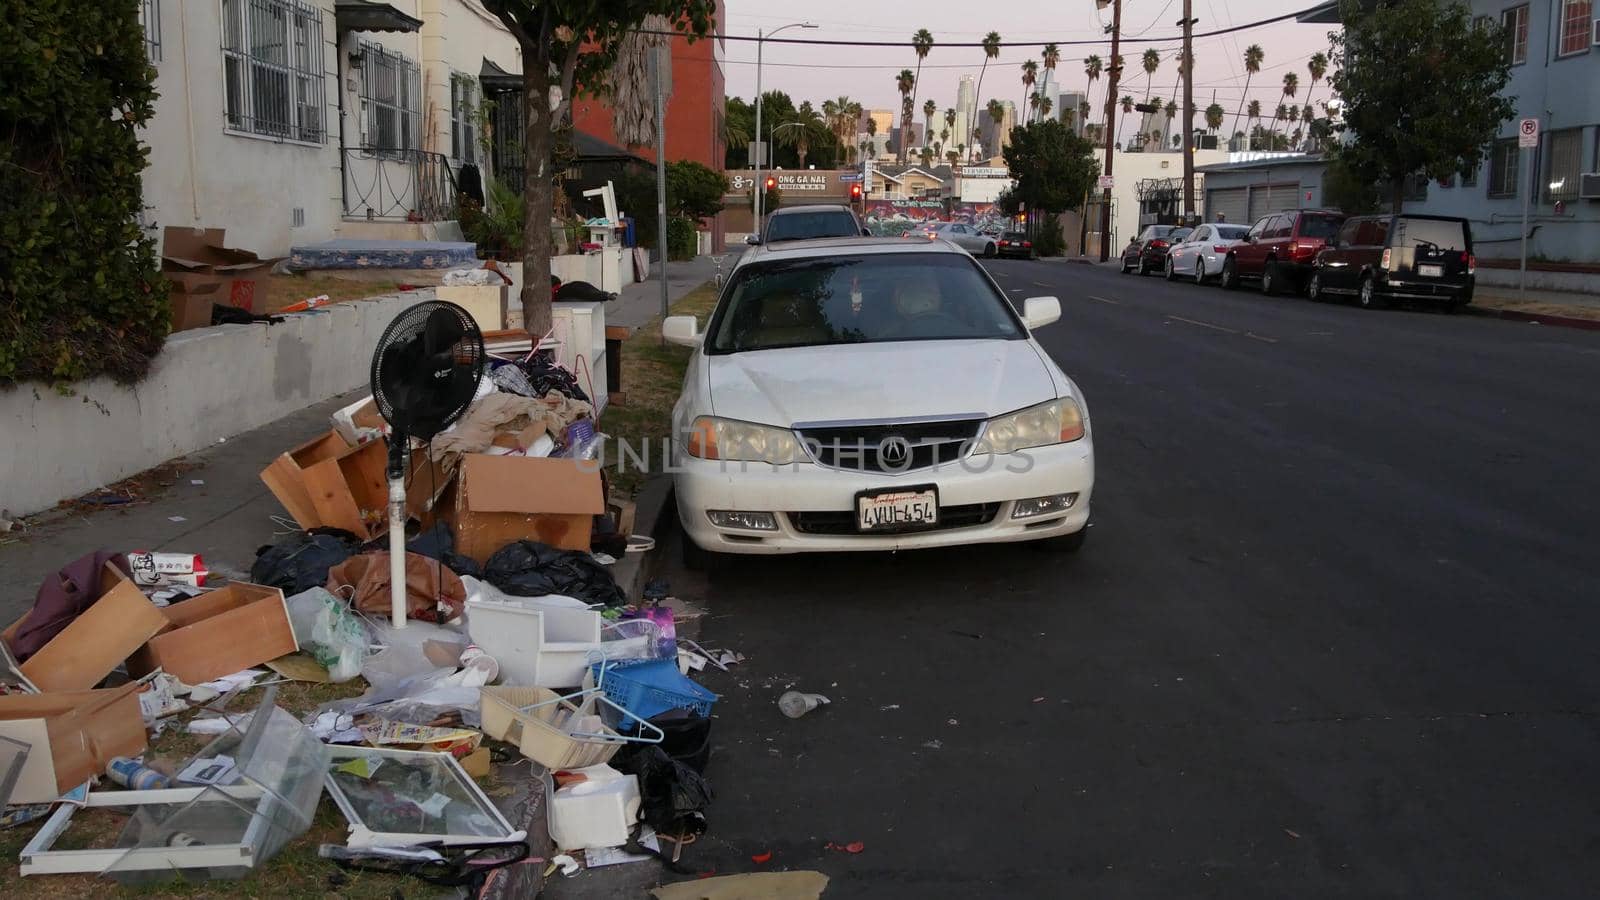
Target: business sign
[[1528, 133], [984, 172]]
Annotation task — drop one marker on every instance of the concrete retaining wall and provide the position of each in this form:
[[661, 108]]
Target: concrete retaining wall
[[207, 384], [1540, 280]]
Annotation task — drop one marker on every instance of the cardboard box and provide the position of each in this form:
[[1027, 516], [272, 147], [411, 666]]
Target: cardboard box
[[204, 272], [217, 634], [97, 641], [328, 483], [500, 499], [359, 422], [521, 440], [73, 736], [487, 304]]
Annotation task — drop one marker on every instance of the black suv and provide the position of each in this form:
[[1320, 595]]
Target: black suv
[[1377, 259]]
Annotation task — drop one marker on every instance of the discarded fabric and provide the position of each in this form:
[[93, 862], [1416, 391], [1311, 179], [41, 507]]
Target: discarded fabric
[[532, 569]]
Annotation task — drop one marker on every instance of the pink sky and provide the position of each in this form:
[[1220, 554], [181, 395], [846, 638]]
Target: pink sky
[[866, 74]]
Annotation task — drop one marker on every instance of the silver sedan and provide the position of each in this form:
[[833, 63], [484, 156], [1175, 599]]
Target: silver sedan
[[1201, 253], [966, 237]]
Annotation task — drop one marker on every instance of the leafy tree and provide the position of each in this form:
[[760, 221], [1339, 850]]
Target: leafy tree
[[694, 191], [568, 48], [1053, 167], [80, 293], [738, 130], [803, 129], [1346, 189], [1421, 86]]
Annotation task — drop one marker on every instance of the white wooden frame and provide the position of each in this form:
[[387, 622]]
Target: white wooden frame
[[39, 859], [360, 836]]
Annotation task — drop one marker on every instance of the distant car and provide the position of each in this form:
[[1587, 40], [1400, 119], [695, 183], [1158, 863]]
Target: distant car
[[804, 223], [1148, 252], [1014, 244], [1280, 248], [1380, 258], [964, 236], [1199, 256]]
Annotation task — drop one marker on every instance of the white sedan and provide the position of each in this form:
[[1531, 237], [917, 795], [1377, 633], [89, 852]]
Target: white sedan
[[1201, 254], [852, 394]]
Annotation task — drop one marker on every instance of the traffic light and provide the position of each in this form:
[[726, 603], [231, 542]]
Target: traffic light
[[855, 192], [771, 182]]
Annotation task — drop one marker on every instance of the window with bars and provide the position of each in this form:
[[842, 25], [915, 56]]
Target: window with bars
[[272, 68], [1469, 177], [1563, 156], [150, 19], [463, 117], [391, 99], [1574, 27], [1504, 159], [1514, 25]]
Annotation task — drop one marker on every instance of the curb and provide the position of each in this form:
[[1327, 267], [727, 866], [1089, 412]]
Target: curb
[[1511, 315]]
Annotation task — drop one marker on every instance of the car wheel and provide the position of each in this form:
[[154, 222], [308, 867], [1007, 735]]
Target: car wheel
[[988, 250], [1200, 270], [1124, 265], [1368, 296], [1230, 274], [1064, 543], [1269, 278], [698, 559], [1171, 275], [1314, 288], [1144, 267]]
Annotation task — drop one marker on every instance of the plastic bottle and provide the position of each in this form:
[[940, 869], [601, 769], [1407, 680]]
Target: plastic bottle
[[134, 775], [795, 704]]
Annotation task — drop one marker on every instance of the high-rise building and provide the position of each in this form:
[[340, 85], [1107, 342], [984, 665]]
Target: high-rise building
[[966, 111], [1048, 86], [1007, 122], [1070, 101]]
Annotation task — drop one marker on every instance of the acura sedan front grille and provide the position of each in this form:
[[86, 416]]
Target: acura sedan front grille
[[889, 446], [837, 523]]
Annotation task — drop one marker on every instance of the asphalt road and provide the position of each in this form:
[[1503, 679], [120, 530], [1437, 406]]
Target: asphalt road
[[1333, 633]]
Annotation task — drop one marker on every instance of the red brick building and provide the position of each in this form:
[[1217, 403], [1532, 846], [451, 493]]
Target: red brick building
[[694, 111]]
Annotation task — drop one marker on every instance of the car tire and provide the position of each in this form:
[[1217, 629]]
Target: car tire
[[988, 250], [1063, 543], [1200, 270], [699, 559], [1170, 274], [1368, 296], [1314, 288], [1230, 275], [1270, 279], [1144, 267], [1125, 269]]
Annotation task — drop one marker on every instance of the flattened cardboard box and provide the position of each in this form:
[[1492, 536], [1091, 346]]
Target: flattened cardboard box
[[219, 633], [500, 499], [327, 482], [193, 259], [97, 641], [74, 735]]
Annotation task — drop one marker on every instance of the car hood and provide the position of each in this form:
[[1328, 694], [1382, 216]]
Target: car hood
[[903, 379]]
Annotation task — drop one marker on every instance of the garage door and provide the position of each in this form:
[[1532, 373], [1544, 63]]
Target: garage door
[[1270, 198], [1231, 203]]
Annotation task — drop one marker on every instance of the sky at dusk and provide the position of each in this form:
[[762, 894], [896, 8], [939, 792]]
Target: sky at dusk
[[866, 74]]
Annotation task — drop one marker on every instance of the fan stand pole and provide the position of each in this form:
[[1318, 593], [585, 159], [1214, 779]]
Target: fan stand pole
[[397, 529]]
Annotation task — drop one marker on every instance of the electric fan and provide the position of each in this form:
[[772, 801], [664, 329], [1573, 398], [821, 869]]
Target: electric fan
[[425, 373]]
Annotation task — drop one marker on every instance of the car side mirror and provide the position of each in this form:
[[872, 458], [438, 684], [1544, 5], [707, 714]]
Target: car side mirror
[[752, 239], [1249, 239], [1038, 312], [681, 330], [866, 232]]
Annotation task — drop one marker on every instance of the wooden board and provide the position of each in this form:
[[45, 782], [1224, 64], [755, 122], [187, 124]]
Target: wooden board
[[219, 633], [96, 642]]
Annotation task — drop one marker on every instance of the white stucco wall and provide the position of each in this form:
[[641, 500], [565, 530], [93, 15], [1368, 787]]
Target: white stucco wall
[[208, 383], [1128, 169]]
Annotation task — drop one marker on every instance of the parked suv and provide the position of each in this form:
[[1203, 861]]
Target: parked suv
[[1279, 249], [1379, 258]]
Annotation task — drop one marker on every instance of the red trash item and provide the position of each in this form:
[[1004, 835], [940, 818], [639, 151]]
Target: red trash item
[[762, 857]]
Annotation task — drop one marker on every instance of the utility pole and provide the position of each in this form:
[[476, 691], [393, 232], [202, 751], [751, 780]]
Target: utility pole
[[659, 61], [1188, 111], [1111, 123]]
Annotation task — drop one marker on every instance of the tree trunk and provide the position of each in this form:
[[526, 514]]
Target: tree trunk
[[1397, 193], [538, 192]]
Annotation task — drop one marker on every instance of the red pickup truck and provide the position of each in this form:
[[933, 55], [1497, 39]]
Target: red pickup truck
[[1280, 249]]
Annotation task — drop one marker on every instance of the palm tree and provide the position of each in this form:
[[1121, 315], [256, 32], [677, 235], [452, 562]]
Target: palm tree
[[926, 155], [1152, 62], [1030, 72], [997, 114], [1033, 104], [938, 146], [871, 144], [1083, 112], [961, 151], [952, 156], [1214, 116], [1291, 84], [991, 50], [1253, 57], [1316, 66], [802, 128], [1044, 108], [905, 82], [1127, 110], [1092, 66], [735, 134], [949, 121], [929, 110], [944, 135], [1253, 113], [866, 148], [921, 42], [1050, 57], [1172, 113]]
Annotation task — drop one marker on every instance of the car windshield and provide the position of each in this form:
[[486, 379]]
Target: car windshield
[[1325, 227], [1014, 236], [1438, 234], [1179, 234], [800, 226], [860, 299], [1157, 231], [1231, 232]]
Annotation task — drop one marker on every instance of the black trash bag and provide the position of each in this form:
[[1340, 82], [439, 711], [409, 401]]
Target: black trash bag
[[438, 543], [222, 314], [532, 569], [301, 561], [686, 737], [583, 291], [673, 796]]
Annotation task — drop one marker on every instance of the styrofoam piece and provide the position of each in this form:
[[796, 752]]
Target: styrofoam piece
[[535, 647], [478, 589], [596, 812]]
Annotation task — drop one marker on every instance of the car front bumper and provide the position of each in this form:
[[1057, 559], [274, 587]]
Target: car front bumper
[[985, 481]]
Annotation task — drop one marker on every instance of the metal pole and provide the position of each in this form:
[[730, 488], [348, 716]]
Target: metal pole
[[1188, 111], [661, 172], [756, 191], [1111, 129], [1522, 266]]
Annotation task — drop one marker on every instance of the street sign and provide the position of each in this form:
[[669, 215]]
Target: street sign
[[1107, 182], [850, 176], [1528, 133], [758, 147]]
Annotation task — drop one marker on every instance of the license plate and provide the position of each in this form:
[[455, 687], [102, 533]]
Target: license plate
[[1430, 271], [897, 509]]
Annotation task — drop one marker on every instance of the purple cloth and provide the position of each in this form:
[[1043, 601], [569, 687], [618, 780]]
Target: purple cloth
[[62, 598]]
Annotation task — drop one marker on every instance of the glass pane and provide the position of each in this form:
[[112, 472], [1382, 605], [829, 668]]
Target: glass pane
[[801, 226], [1436, 233], [410, 794], [1319, 226]]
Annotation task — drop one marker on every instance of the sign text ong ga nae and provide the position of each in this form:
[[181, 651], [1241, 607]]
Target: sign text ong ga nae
[[790, 181]]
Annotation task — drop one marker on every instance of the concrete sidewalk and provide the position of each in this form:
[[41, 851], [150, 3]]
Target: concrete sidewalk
[[639, 303]]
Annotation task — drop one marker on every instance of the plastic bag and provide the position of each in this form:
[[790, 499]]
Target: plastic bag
[[329, 632], [532, 569], [674, 795], [301, 561]]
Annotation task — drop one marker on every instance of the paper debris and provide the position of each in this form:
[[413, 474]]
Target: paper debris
[[611, 856], [218, 724], [197, 481], [216, 770], [232, 682], [361, 766], [176, 519]]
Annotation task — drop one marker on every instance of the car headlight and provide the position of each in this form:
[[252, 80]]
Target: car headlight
[[714, 438], [1056, 422]]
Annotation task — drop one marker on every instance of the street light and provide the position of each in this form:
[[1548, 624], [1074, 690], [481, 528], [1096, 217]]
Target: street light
[[762, 36]]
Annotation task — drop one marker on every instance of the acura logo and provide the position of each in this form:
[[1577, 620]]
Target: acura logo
[[894, 452]]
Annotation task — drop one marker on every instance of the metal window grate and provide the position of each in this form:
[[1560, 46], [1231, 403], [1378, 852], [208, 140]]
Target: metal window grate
[[391, 95], [1503, 168], [1574, 27], [1563, 160], [272, 68], [150, 18], [463, 117]]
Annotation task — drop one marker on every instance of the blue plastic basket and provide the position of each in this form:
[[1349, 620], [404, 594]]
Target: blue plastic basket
[[650, 687]]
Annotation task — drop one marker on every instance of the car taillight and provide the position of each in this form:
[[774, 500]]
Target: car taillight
[[1220, 248], [1384, 263], [1472, 264], [1005, 243], [1158, 244], [1027, 244]]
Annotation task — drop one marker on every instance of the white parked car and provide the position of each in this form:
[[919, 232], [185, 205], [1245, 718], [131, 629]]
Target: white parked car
[[964, 236], [855, 394], [1200, 255]]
